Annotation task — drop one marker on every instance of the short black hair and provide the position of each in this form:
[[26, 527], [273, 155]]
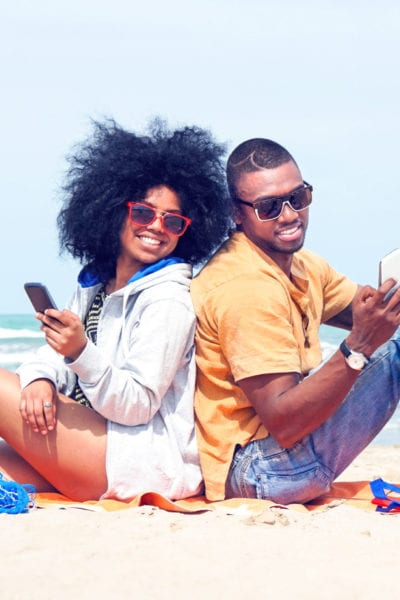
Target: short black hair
[[254, 155], [115, 165]]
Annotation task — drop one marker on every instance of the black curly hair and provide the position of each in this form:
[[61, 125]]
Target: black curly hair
[[115, 165]]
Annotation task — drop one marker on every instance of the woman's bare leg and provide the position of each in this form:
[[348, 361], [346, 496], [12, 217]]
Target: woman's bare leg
[[13, 466], [71, 458]]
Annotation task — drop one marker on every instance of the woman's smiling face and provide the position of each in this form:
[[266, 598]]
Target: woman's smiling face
[[145, 244]]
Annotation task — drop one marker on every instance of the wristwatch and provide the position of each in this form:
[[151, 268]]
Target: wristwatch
[[355, 360]]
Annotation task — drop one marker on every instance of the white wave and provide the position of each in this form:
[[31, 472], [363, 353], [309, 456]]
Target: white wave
[[11, 358], [327, 349], [7, 334]]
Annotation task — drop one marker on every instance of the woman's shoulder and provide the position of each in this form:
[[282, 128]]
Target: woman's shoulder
[[170, 286]]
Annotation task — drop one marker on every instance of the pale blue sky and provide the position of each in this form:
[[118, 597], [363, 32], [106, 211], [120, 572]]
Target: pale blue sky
[[320, 77]]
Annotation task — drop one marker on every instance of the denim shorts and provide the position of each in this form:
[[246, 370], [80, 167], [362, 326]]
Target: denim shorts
[[263, 469]]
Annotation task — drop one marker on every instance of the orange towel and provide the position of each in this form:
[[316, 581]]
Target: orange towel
[[356, 493]]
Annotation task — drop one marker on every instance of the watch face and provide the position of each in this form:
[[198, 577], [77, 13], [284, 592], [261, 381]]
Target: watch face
[[356, 361]]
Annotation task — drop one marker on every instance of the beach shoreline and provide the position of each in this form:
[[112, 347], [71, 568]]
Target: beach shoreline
[[149, 553]]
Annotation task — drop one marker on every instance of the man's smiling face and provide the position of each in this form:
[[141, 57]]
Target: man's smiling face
[[284, 235]]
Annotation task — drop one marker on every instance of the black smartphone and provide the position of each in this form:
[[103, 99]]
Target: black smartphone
[[40, 296]]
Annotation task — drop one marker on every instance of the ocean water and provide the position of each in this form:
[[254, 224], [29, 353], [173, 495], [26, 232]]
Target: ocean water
[[20, 336]]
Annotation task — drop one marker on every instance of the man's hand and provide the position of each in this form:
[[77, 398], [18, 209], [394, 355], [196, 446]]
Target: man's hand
[[63, 331], [39, 405], [374, 321]]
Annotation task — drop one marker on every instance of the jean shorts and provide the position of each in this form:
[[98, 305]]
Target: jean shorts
[[263, 469]]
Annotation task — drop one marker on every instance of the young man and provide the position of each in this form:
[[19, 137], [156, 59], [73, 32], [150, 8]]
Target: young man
[[270, 424]]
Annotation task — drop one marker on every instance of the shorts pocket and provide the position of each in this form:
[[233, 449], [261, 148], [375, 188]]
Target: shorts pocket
[[291, 486]]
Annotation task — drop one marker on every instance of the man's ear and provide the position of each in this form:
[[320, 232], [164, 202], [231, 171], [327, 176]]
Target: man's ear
[[237, 214]]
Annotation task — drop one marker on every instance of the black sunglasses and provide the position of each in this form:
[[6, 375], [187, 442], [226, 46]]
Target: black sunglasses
[[172, 223], [269, 209]]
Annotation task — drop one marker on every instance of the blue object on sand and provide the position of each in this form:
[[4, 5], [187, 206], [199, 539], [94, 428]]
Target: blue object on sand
[[385, 502], [16, 497]]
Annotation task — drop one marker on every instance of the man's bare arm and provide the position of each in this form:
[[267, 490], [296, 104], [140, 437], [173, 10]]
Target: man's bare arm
[[291, 408], [344, 319]]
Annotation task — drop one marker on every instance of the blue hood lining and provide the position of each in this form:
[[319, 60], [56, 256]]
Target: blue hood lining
[[87, 279]]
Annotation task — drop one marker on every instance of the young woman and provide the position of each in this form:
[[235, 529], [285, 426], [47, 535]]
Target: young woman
[[105, 408]]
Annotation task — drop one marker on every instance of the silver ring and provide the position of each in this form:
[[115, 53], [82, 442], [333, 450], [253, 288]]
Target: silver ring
[[47, 404]]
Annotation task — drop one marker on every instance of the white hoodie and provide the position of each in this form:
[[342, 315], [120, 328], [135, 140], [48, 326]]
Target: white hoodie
[[140, 376]]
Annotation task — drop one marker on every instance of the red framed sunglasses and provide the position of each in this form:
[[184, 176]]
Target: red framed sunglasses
[[172, 223]]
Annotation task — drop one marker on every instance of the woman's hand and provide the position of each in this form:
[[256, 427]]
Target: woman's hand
[[39, 405], [64, 332]]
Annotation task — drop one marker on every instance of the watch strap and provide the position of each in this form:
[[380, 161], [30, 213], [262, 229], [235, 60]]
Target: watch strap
[[344, 349]]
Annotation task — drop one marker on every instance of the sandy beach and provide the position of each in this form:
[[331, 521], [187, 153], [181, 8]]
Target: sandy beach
[[148, 553]]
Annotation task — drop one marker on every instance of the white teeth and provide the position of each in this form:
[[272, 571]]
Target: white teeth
[[290, 231], [149, 240]]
